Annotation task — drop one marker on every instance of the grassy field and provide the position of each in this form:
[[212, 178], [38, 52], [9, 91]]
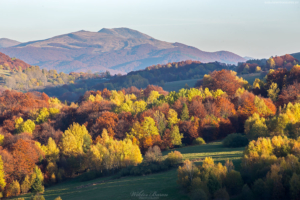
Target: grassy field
[[177, 85], [251, 77], [161, 183]]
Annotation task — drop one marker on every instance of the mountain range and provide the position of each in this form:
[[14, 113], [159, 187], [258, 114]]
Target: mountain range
[[119, 50]]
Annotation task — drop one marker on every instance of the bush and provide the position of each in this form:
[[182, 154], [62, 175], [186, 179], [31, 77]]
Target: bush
[[37, 197], [198, 141], [174, 158], [235, 140], [153, 154], [90, 175]]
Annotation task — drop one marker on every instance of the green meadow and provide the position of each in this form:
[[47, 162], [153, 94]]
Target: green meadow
[[161, 183]]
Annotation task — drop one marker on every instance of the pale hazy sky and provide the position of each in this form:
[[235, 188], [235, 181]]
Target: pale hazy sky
[[255, 28]]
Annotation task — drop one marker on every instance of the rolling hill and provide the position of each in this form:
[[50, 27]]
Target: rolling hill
[[118, 50]]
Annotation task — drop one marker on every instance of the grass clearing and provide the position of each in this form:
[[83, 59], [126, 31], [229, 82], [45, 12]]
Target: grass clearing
[[177, 85], [161, 183], [251, 77]]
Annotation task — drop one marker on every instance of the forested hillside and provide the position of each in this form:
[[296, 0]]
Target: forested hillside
[[160, 74], [44, 141], [251, 66]]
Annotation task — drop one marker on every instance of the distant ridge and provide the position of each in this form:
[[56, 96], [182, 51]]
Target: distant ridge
[[4, 42], [296, 55], [119, 50]]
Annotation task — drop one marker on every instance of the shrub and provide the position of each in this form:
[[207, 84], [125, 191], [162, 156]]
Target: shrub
[[174, 158], [198, 141], [186, 173], [233, 182], [153, 154], [235, 140]]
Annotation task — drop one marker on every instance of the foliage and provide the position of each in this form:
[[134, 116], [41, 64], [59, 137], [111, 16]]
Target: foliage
[[233, 182], [153, 154], [176, 136], [174, 157], [2, 175], [198, 141], [72, 142], [235, 140]]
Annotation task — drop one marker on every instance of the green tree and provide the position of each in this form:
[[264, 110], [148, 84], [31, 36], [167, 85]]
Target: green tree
[[295, 186], [213, 184], [233, 182], [37, 186]]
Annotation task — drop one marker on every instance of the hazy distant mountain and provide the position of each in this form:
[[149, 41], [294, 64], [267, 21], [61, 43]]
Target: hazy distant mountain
[[248, 58], [4, 42], [118, 50]]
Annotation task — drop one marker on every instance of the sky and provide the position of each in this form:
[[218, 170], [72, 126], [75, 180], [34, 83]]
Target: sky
[[254, 28]]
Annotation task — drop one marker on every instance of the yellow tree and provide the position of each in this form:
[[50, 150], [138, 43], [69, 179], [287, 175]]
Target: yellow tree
[[172, 117], [43, 115], [2, 175], [73, 140], [176, 136], [273, 91], [153, 96], [51, 151]]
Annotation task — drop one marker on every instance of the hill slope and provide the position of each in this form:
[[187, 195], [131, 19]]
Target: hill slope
[[11, 63], [4, 42], [118, 50]]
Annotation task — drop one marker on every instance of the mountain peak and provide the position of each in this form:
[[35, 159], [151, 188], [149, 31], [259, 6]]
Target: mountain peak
[[125, 32]]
